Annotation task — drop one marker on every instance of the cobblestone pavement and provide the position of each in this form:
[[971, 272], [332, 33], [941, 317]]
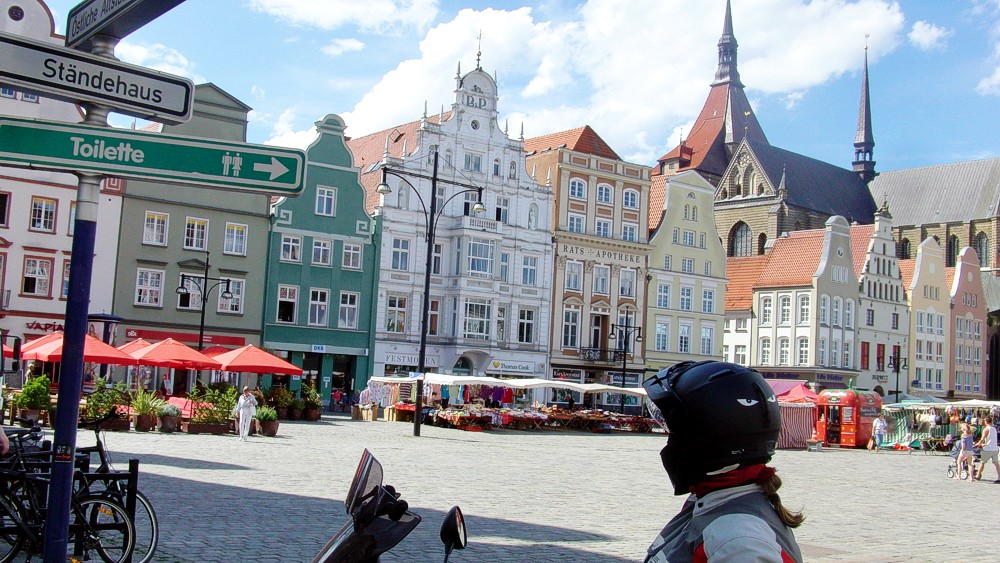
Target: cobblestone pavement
[[528, 496]]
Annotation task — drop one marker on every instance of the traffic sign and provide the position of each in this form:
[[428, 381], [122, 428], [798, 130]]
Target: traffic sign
[[142, 155], [77, 77], [116, 18]]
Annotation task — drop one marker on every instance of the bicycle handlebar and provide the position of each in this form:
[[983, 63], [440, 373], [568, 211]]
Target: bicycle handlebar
[[97, 422]]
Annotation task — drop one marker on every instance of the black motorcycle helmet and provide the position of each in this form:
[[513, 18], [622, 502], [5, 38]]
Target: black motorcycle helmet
[[717, 415]]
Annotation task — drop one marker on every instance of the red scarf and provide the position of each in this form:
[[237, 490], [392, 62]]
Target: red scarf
[[757, 473]]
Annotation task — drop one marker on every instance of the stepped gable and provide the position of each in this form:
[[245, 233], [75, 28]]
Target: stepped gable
[[742, 274], [944, 193], [817, 185], [367, 151], [793, 259], [582, 139]]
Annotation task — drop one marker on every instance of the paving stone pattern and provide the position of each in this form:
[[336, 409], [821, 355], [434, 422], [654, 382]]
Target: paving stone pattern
[[527, 496]]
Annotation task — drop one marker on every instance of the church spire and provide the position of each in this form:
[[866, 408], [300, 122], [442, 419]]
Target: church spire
[[727, 71], [864, 141]]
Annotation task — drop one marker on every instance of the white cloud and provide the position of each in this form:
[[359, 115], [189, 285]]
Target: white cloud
[[927, 36], [258, 92], [990, 86], [373, 15], [158, 57], [341, 46]]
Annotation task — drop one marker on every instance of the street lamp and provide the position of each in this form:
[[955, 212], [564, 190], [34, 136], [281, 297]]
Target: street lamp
[[431, 216], [205, 290], [625, 334], [895, 364]]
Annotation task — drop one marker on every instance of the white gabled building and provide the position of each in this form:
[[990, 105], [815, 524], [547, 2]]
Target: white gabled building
[[491, 272]]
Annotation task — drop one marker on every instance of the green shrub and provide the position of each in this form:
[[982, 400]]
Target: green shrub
[[213, 405], [281, 397], [35, 394], [146, 402], [297, 403], [311, 397], [266, 414], [168, 409], [105, 397]]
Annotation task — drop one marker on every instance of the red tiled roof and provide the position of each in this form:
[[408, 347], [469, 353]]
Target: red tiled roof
[[949, 278], [582, 139], [657, 198], [369, 150], [742, 273], [793, 259], [907, 268], [861, 235]]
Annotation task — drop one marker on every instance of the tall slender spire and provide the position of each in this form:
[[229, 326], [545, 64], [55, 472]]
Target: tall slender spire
[[727, 71], [864, 141]]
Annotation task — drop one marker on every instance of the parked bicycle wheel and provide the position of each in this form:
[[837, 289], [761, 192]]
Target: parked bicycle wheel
[[147, 528], [11, 538], [106, 528]]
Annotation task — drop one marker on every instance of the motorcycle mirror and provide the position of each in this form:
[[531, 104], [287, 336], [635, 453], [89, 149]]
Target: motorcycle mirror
[[453, 531]]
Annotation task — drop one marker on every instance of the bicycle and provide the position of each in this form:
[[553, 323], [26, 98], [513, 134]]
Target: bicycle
[[97, 523], [147, 527]]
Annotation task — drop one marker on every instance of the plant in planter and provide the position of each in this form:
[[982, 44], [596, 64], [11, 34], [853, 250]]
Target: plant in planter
[[312, 402], [267, 418], [295, 409], [212, 408], [105, 398], [169, 416], [145, 405], [281, 399], [34, 398]]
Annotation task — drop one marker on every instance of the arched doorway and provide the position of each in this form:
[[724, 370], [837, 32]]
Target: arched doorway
[[463, 366]]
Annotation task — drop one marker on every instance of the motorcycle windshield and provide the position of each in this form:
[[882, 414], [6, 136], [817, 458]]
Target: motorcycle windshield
[[387, 533], [367, 479]]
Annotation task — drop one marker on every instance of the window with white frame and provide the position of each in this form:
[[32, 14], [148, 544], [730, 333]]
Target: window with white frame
[[835, 353], [920, 321], [437, 257], [291, 248], [575, 223], [684, 339], [741, 325], [154, 228], [940, 324], [574, 276], [701, 237], [473, 162], [804, 311], [7, 92], [400, 259], [687, 238], [477, 319], [526, 326], [602, 228], [895, 321], [236, 239], [784, 310], [783, 351], [630, 232], [602, 280], [765, 310], [870, 317], [148, 287], [667, 262], [740, 354], [348, 315], [835, 317], [191, 299], [708, 300], [605, 193], [765, 351], [319, 307], [43, 214], [707, 341], [322, 252], [503, 210], [848, 357], [504, 266], [958, 327], [288, 300], [630, 199], [351, 256], [529, 270], [496, 166], [196, 233], [662, 340], [71, 225], [663, 295], [708, 268], [687, 265], [471, 199], [803, 355], [686, 298], [233, 304], [577, 188], [849, 313], [481, 257], [64, 288], [326, 201], [821, 352], [626, 283], [395, 313], [434, 317], [571, 328], [823, 305]]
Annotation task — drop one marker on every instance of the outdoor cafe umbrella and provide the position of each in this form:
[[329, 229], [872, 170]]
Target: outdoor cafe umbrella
[[32, 344], [8, 352], [254, 360], [173, 354], [94, 351], [213, 351], [137, 344]]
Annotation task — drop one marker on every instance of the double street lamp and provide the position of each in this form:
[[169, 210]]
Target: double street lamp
[[895, 364], [431, 216], [625, 334], [204, 289]]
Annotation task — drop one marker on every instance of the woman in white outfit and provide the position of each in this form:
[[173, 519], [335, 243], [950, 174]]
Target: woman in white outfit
[[245, 410]]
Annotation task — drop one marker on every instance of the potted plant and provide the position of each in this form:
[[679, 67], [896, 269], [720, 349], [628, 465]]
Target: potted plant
[[267, 418], [312, 402], [105, 398], [295, 409], [145, 405], [34, 398], [212, 409], [169, 416], [281, 398]]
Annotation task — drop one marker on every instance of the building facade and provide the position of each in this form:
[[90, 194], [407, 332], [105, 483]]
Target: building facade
[[968, 326], [929, 304]]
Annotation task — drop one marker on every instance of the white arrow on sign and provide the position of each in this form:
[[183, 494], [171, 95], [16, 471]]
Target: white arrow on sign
[[275, 168]]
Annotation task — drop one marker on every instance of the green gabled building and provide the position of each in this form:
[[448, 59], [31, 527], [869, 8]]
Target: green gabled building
[[322, 260]]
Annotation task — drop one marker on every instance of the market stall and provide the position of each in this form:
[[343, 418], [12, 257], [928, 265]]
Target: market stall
[[846, 415]]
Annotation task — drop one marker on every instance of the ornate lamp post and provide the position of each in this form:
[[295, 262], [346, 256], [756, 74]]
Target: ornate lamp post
[[895, 364], [625, 334], [205, 291], [431, 216]]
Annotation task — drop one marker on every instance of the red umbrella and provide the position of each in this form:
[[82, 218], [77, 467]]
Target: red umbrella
[[94, 351], [8, 352], [137, 344], [173, 354], [213, 351], [254, 360], [32, 344]]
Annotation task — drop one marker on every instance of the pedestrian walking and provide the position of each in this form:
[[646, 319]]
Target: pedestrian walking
[[879, 430], [965, 452], [246, 408], [990, 448]]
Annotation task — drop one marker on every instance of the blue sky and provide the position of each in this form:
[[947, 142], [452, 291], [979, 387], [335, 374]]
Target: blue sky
[[637, 71]]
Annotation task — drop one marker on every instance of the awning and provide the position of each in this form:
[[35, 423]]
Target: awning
[[529, 383]]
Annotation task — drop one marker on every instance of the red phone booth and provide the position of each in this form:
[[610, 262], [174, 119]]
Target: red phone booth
[[846, 416]]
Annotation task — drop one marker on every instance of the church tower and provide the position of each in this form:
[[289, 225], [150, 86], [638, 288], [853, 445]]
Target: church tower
[[864, 141]]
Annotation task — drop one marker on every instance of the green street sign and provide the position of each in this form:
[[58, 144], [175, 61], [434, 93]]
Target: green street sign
[[175, 159]]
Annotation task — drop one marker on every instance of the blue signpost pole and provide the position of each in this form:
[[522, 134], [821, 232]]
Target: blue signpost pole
[[71, 375]]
